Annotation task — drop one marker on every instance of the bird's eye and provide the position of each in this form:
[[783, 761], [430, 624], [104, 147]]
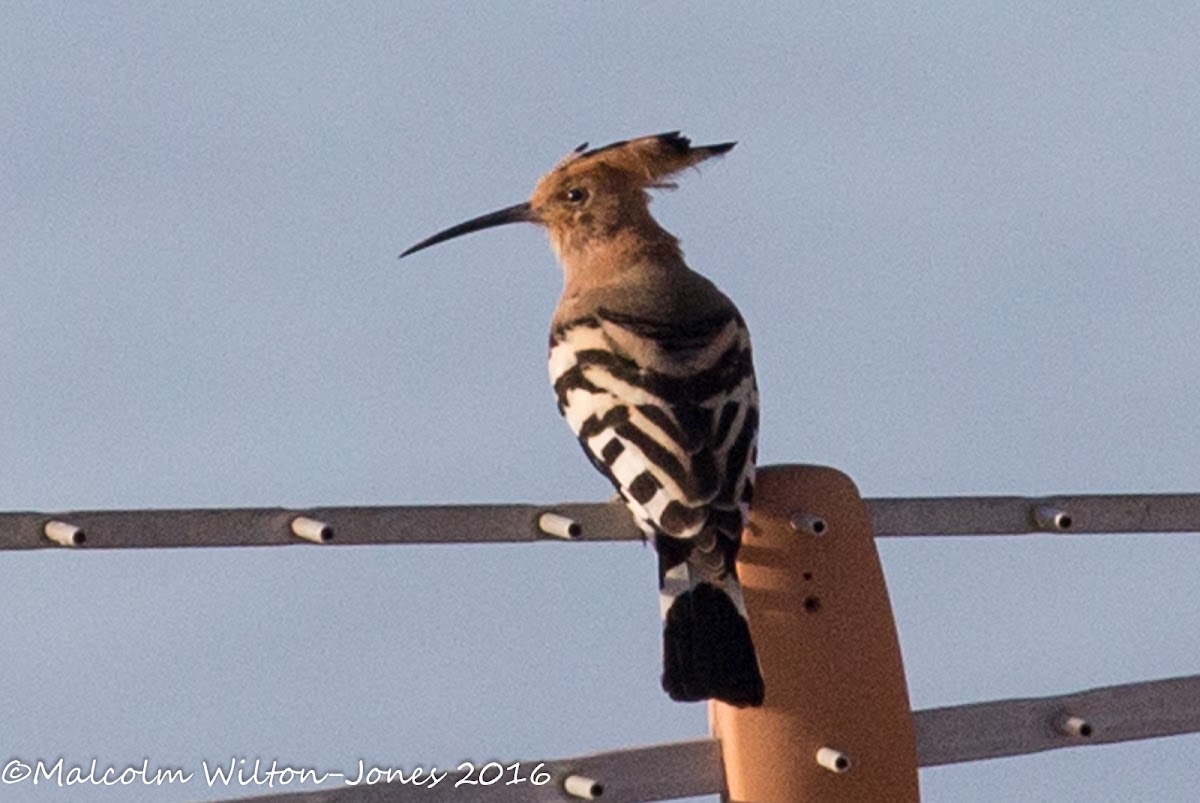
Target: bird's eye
[[576, 195]]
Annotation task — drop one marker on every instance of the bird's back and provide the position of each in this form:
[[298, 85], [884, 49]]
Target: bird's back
[[662, 397]]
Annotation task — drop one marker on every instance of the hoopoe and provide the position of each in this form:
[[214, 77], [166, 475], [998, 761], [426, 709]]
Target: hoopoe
[[652, 369]]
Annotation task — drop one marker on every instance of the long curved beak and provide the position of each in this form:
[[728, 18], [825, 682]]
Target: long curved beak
[[521, 213]]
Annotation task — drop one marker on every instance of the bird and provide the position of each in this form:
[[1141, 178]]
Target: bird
[[651, 366]]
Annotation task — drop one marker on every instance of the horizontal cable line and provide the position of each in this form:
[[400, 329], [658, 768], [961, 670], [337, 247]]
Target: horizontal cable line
[[443, 524], [1098, 716], [950, 735]]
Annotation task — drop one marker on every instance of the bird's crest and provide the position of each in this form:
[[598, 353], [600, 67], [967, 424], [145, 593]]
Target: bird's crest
[[647, 160], [593, 193]]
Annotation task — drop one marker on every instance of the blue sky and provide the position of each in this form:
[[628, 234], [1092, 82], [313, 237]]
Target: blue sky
[[964, 236]]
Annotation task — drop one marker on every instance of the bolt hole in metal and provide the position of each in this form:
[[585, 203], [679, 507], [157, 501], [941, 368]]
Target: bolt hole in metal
[[63, 533], [833, 760], [318, 532], [559, 526], [1075, 726], [808, 524], [1054, 519], [583, 787]]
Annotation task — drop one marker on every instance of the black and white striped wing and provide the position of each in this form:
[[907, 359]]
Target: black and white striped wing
[[670, 414]]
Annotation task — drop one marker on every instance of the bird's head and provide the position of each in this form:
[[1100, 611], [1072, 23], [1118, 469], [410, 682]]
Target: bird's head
[[593, 195]]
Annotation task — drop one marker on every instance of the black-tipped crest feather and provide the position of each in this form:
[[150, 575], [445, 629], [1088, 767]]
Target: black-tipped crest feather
[[651, 158]]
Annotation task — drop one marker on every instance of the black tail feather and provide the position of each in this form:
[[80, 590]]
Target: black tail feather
[[707, 651]]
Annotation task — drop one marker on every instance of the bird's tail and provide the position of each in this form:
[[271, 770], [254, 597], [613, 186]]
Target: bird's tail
[[707, 650]]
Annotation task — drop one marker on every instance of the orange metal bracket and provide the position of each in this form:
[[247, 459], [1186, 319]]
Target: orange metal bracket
[[836, 724]]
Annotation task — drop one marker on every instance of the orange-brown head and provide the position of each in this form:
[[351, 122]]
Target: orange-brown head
[[596, 199]]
